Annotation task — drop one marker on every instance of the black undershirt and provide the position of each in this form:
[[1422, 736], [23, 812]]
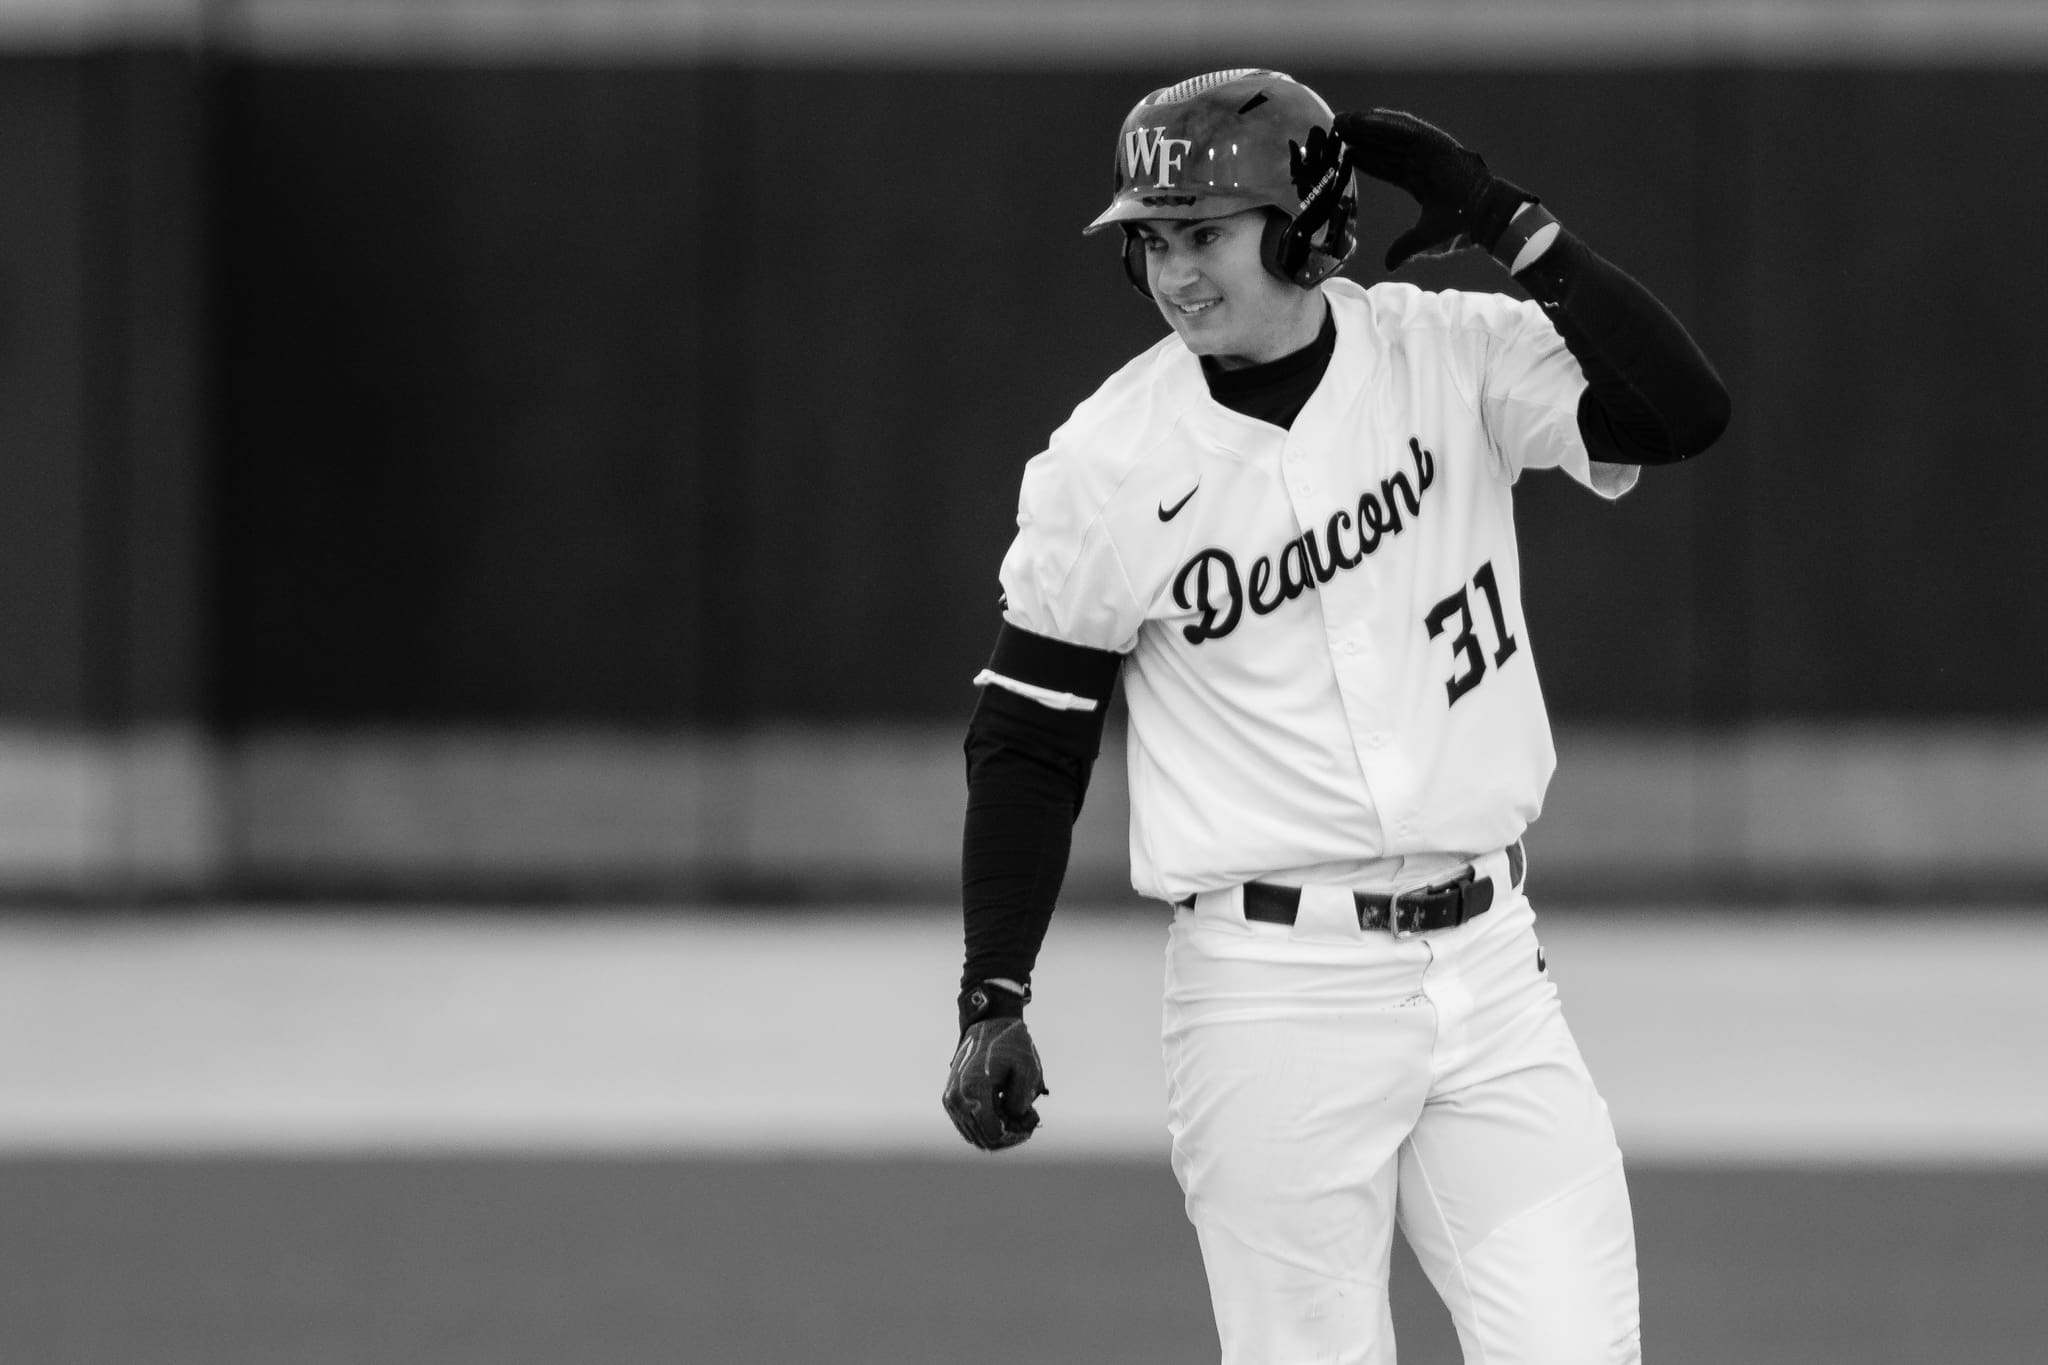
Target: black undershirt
[[1651, 398], [1276, 391]]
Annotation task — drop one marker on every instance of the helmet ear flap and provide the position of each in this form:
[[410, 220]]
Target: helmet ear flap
[[1299, 258], [1134, 261], [1281, 248]]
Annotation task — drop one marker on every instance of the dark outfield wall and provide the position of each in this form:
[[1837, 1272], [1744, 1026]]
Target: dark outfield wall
[[103, 487], [668, 395]]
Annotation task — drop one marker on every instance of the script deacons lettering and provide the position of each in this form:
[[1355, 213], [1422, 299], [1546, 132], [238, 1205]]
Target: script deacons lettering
[[1210, 584]]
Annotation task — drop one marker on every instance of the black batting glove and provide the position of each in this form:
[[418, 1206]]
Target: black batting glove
[[1322, 180], [1463, 203], [996, 1077]]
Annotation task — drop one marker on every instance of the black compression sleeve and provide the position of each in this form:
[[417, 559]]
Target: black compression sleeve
[[1651, 397], [1027, 774]]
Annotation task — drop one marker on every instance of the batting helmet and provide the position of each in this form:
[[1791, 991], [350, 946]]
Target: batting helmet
[[1218, 144]]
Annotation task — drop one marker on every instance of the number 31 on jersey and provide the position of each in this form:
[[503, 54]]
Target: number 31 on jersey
[[1465, 644]]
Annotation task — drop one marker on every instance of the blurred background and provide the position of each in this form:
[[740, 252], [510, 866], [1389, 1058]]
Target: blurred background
[[500, 503]]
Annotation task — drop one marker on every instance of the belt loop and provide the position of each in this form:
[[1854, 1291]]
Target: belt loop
[[1231, 903], [1225, 903], [1325, 913]]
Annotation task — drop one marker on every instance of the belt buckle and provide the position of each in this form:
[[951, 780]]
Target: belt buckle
[[1394, 924]]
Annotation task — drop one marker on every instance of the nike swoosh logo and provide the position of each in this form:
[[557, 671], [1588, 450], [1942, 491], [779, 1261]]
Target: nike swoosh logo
[[1169, 513]]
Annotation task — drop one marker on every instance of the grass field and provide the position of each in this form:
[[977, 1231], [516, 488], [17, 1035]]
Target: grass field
[[508, 1261]]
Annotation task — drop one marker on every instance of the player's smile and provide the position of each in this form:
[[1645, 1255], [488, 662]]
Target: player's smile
[[1192, 309]]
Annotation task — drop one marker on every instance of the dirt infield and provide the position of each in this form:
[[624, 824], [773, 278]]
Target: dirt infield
[[1716, 1035], [469, 1261]]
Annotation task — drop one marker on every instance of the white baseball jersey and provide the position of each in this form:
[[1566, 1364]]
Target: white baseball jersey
[[1328, 669]]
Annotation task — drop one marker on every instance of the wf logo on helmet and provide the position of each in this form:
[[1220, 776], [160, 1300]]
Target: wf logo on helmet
[[1149, 151]]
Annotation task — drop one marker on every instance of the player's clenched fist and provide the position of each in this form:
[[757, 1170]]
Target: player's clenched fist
[[1462, 202], [995, 1080]]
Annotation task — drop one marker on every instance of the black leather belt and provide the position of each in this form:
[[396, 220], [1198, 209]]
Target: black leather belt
[[1444, 905]]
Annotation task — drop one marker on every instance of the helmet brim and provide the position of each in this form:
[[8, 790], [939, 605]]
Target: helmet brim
[[1134, 206]]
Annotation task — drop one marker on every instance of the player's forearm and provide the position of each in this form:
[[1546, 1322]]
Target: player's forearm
[[1027, 776], [1013, 860], [1652, 396]]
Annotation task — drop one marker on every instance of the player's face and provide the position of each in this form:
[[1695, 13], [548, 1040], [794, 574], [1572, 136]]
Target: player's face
[[1207, 277]]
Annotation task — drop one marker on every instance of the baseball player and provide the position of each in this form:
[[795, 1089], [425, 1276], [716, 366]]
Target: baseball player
[[1288, 529]]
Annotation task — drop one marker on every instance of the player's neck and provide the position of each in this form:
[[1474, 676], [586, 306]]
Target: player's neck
[[1276, 391], [1294, 335]]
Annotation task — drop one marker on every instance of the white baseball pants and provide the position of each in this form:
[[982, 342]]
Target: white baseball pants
[[1324, 1082]]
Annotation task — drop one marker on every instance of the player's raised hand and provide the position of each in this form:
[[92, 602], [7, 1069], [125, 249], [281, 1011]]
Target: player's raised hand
[[1462, 202], [1321, 173], [993, 1084]]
